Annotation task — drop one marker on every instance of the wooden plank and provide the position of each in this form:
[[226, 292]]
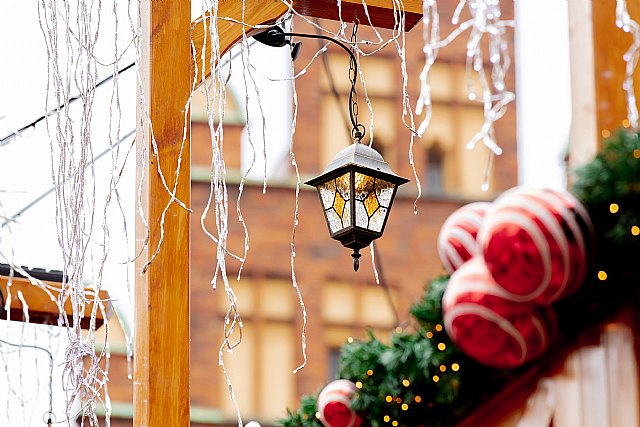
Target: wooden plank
[[267, 11], [161, 363], [597, 72], [594, 387], [43, 305], [622, 364], [568, 411], [540, 405]]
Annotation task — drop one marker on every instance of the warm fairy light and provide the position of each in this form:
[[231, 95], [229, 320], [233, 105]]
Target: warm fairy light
[[613, 207], [318, 415], [394, 423], [602, 275], [417, 399], [398, 400], [405, 382], [455, 367], [441, 346], [429, 334], [386, 418], [636, 153], [438, 327], [389, 399], [404, 407], [398, 329], [436, 378], [625, 123], [358, 384], [635, 230], [350, 340], [443, 368], [370, 372], [606, 133]]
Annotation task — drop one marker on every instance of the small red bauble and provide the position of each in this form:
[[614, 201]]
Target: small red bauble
[[488, 325], [333, 405], [537, 244], [457, 239]]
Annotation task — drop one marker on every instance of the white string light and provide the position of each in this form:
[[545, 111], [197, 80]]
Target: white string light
[[484, 22], [630, 57]]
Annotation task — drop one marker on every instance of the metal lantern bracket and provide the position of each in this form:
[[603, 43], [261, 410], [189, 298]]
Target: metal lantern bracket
[[277, 37]]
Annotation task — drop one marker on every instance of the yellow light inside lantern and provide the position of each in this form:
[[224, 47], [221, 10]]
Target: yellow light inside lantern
[[613, 207], [602, 275]]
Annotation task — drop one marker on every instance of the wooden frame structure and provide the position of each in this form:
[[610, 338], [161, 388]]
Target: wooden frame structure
[[161, 369]]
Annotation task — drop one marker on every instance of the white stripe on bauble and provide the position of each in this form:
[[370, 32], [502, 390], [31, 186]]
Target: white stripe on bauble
[[485, 313]]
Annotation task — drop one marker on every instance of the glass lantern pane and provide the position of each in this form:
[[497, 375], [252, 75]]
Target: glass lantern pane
[[343, 185], [364, 185], [346, 216], [327, 193], [362, 219], [335, 223], [377, 220], [371, 203], [384, 191], [338, 204]]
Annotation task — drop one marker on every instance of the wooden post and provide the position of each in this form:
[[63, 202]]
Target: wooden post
[[161, 369], [597, 73]]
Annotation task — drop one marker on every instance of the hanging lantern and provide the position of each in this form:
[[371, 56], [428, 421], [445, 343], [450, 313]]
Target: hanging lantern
[[358, 186], [356, 191]]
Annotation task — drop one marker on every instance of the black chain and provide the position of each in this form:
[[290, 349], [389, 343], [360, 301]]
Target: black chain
[[358, 130]]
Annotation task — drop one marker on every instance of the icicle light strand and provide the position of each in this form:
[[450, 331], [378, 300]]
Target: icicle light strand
[[628, 25], [485, 21]]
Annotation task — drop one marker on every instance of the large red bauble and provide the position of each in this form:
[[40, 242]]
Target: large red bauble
[[537, 243], [488, 325], [457, 239], [333, 405]]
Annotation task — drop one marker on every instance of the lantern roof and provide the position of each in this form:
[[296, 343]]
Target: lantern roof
[[358, 154]]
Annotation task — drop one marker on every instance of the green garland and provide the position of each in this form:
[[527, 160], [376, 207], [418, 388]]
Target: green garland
[[421, 378]]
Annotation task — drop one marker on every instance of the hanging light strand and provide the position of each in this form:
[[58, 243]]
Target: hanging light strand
[[484, 22], [630, 57]]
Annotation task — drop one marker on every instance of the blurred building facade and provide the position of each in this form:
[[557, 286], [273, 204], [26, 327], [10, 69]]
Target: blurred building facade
[[339, 302]]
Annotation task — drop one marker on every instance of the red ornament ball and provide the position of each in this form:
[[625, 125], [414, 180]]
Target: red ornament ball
[[537, 244], [457, 239], [488, 325], [333, 405]]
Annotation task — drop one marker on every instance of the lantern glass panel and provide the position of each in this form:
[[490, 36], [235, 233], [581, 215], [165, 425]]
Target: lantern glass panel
[[373, 197], [336, 196]]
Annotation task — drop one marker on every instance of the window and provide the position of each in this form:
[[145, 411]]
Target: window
[[435, 169]]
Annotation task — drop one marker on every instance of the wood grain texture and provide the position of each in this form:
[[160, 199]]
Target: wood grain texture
[[161, 363], [43, 306]]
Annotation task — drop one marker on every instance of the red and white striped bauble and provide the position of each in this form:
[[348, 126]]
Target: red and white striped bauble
[[488, 325], [537, 243], [457, 239], [333, 405]]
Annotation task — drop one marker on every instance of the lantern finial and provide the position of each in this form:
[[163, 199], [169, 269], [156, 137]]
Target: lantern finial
[[356, 259]]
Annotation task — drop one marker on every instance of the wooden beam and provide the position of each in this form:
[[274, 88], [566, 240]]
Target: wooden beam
[[43, 305], [259, 12], [597, 73], [161, 363]]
